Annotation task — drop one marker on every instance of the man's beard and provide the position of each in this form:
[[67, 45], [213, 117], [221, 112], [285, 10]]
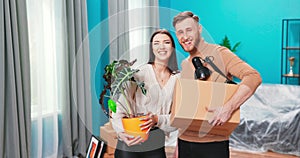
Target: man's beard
[[195, 46]]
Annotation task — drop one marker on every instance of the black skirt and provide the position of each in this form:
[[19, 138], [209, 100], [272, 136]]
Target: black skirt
[[154, 147]]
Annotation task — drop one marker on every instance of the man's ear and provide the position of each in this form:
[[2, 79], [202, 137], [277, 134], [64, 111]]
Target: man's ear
[[200, 28]]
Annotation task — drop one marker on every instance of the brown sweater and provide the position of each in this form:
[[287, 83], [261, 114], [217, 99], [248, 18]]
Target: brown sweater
[[230, 65]]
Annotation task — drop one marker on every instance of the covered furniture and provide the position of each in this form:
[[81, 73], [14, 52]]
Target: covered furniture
[[270, 121]]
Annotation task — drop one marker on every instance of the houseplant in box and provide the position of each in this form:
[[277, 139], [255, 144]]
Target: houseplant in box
[[119, 76]]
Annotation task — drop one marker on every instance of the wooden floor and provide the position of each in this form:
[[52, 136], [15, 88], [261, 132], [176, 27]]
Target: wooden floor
[[240, 154], [233, 154]]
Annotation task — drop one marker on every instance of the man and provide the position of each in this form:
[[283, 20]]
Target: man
[[188, 33]]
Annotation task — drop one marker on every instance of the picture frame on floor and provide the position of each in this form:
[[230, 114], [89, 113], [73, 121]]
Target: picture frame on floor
[[96, 148]]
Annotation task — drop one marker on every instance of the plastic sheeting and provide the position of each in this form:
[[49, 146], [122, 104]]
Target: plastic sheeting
[[270, 121]]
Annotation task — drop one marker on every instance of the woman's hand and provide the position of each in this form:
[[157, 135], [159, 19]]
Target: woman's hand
[[129, 139], [151, 120]]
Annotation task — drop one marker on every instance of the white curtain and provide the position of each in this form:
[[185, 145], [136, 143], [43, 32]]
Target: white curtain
[[46, 21], [131, 24], [60, 78]]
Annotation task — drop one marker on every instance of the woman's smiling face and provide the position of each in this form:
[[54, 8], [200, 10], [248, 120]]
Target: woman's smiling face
[[162, 47]]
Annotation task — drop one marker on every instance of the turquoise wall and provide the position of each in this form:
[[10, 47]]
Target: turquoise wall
[[99, 55], [256, 23]]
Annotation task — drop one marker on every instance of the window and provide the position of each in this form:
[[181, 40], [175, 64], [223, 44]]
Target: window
[[45, 33], [47, 46]]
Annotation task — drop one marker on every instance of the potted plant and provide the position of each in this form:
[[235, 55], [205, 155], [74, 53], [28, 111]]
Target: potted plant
[[118, 75], [226, 43]]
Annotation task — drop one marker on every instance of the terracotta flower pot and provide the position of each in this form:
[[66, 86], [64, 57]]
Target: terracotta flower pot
[[132, 127]]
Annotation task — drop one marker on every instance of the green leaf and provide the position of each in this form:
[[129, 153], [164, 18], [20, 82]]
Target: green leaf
[[226, 43], [141, 85], [112, 105], [234, 49], [121, 78]]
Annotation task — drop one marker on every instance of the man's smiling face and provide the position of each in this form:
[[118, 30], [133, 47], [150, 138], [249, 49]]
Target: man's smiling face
[[188, 34]]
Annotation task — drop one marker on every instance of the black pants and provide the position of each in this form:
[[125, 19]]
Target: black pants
[[154, 147], [203, 150], [158, 153]]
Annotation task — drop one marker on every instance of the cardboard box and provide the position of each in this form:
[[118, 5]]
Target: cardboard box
[[106, 155], [108, 134], [191, 99]]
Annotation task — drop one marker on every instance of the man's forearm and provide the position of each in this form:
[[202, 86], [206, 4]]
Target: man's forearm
[[242, 94]]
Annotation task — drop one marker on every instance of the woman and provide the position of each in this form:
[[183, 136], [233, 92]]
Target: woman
[[159, 76]]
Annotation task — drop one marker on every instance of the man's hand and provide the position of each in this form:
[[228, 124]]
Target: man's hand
[[129, 139], [220, 115]]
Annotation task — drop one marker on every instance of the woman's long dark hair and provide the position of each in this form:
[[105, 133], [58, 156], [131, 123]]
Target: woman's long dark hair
[[172, 64]]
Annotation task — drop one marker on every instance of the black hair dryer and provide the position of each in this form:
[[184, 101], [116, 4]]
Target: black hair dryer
[[201, 72]]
